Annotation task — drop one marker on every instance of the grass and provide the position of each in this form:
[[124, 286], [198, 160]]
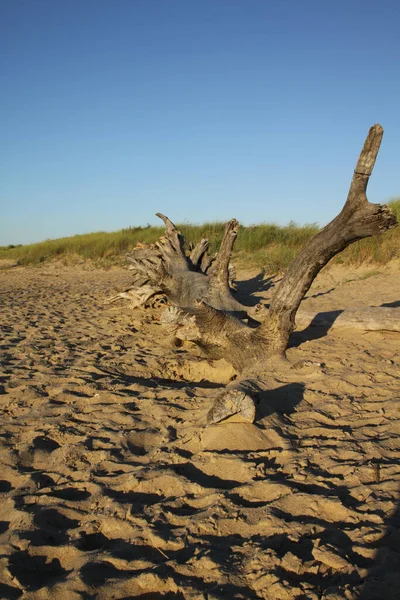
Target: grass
[[367, 275], [266, 246], [379, 249]]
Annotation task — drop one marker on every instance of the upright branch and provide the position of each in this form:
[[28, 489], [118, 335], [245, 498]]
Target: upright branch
[[198, 253], [358, 219], [171, 247], [220, 269]]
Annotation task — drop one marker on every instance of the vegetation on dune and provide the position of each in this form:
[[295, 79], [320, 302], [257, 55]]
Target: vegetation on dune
[[266, 246]]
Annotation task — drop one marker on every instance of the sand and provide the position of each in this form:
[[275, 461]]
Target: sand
[[112, 488]]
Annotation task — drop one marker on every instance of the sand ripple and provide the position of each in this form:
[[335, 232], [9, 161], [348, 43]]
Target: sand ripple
[[110, 487]]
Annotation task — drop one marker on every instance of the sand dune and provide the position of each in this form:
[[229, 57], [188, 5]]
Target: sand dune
[[112, 488]]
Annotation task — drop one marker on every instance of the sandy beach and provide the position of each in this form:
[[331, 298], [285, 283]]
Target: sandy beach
[[111, 487]]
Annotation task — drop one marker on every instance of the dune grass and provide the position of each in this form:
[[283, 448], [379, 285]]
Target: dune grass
[[266, 246]]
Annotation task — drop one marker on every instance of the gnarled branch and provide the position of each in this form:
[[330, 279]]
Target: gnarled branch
[[358, 219], [209, 316]]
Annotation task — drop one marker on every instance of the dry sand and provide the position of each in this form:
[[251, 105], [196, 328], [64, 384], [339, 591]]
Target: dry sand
[[111, 488]]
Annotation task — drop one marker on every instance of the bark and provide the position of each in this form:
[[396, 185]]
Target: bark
[[198, 253], [220, 270]]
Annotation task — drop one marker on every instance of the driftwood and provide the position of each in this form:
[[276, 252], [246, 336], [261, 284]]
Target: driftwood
[[204, 311]]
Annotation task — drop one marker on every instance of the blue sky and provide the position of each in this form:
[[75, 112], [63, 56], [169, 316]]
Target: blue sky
[[202, 109]]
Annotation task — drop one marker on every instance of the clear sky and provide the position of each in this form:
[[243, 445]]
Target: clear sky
[[112, 110]]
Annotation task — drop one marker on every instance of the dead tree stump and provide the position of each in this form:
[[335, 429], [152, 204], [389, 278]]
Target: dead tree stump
[[204, 311]]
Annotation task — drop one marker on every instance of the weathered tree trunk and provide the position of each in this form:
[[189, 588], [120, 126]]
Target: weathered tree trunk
[[205, 312]]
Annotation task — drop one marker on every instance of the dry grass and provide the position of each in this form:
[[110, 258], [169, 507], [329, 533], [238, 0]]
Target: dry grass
[[266, 246]]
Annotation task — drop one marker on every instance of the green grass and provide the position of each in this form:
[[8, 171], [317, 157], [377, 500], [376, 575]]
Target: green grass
[[105, 247], [266, 246]]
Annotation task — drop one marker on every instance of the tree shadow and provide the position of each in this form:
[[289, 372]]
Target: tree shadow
[[282, 400], [318, 328], [156, 596], [395, 304], [9, 593], [383, 579], [195, 475], [319, 294], [246, 290], [156, 382]]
